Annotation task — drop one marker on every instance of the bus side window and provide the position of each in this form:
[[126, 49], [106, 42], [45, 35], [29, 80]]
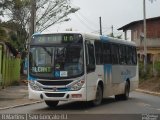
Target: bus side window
[[90, 58], [134, 55], [98, 52], [107, 53], [122, 55], [129, 55], [114, 54]]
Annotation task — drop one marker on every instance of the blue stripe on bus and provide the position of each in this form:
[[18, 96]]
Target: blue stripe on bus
[[104, 38], [107, 71]]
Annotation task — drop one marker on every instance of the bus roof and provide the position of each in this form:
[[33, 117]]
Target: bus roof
[[105, 38], [92, 36]]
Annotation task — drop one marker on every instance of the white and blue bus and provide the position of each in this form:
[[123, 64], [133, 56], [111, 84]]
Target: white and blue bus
[[73, 66]]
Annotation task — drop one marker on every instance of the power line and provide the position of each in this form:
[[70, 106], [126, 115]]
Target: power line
[[88, 23], [84, 23], [105, 29], [86, 19]]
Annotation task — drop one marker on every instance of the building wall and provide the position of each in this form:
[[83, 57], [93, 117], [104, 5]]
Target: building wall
[[153, 39], [153, 33], [153, 29], [136, 31]]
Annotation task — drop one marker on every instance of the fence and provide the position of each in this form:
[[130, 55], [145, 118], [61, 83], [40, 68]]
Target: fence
[[9, 66]]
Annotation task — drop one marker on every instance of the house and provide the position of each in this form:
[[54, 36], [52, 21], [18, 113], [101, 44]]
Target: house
[[152, 34]]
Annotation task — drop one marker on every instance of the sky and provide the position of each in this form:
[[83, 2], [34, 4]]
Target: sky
[[112, 12]]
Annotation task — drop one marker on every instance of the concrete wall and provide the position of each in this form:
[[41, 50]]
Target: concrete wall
[[151, 42]]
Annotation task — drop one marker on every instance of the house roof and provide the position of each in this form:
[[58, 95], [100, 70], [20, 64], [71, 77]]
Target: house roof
[[127, 26]]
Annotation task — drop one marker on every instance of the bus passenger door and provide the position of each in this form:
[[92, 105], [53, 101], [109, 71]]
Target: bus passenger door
[[91, 77]]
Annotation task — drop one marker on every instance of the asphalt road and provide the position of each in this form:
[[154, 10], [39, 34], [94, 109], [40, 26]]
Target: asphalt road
[[138, 106]]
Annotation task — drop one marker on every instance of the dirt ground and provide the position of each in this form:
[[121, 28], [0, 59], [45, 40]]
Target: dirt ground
[[152, 84]]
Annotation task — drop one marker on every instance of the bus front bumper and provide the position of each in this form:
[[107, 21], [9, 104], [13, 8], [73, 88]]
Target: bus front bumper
[[58, 96]]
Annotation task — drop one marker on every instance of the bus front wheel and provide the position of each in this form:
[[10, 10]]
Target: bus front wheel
[[52, 104], [124, 96], [99, 96]]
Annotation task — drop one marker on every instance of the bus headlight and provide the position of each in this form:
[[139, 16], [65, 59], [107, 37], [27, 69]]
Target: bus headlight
[[34, 86], [78, 85]]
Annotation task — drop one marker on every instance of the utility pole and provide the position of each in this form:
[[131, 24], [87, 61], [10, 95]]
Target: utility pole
[[112, 31], [100, 23], [145, 36], [33, 17]]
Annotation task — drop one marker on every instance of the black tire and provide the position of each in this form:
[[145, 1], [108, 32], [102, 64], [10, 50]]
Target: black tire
[[51, 104], [118, 97], [124, 96], [99, 96]]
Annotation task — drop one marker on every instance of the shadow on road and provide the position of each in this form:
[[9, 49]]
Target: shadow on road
[[78, 105]]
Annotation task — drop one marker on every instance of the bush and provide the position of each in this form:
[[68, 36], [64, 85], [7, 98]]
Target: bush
[[157, 67], [149, 71]]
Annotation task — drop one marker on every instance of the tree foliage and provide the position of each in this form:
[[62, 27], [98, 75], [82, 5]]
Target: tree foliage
[[3, 35], [12, 32], [48, 13], [18, 12]]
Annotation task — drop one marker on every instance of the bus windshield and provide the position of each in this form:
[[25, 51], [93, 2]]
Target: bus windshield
[[56, 62]]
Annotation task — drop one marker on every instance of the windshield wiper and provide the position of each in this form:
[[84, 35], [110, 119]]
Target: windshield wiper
[[49, 53]]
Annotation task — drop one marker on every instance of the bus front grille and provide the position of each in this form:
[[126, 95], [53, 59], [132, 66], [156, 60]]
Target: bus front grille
[[55, 94], [54, 83]]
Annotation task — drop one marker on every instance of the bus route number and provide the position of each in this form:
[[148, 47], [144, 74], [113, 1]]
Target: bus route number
[[67, 38]]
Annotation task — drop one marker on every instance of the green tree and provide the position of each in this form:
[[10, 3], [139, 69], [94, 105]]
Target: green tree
[[3, 35], [48, 13], [17, 11], [13, 34]]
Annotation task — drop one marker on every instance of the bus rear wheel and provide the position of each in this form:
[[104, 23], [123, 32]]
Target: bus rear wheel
[[124, 96], [51, 104], [99, 96]]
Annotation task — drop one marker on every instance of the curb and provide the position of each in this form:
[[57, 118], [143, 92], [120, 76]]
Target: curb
[[148, 92], [25, 104]]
